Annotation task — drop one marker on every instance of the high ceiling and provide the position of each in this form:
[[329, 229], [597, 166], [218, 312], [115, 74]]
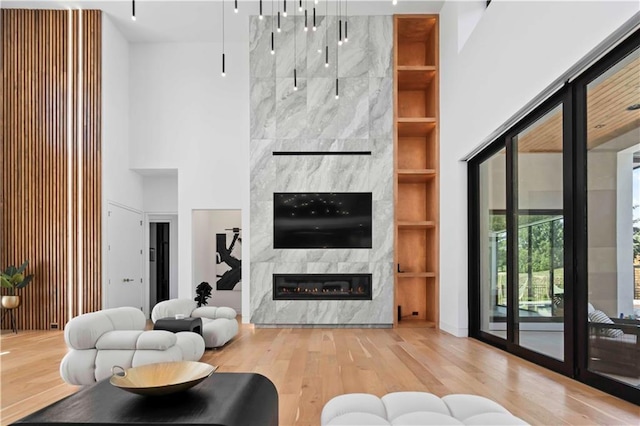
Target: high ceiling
[[608, 116], [199, 21]]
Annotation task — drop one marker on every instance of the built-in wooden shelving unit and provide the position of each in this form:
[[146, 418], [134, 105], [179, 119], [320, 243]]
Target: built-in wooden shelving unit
[[416, 169]]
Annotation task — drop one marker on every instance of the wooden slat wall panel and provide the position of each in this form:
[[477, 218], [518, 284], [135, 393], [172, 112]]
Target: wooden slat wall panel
[[35, 158], [92, 193]]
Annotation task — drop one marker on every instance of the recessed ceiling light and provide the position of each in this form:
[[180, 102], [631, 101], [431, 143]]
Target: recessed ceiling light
[[633, 107], [599, 126]]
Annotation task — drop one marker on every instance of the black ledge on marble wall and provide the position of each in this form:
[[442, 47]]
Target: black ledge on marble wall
[[321, 152]]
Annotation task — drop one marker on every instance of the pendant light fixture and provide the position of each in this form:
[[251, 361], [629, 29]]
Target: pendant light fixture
[[285, 8], [338, 14], [223, 64], [337, 50], [260, 9], [273, 39], [133, 10], [279, 29], [295, 51], [306, 23], [337, 82], [346, 20], [394, 2], [326, 33], [300, 6], [314, 19], [235, 6]]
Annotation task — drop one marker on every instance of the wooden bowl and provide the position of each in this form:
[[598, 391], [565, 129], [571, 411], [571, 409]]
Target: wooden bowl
[[161, 379]]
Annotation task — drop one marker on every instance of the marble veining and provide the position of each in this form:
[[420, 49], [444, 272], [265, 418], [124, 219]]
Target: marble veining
[[380, 110], [263, 112], [353, 56], [291, 108], [261, 62], [311, 119], [287, 46], [380, 46]]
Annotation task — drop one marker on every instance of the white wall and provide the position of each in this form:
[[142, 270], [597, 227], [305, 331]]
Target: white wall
[[187, 117], [206, 224], [160, 194], [514, 52], [119, 184], [469, 14]]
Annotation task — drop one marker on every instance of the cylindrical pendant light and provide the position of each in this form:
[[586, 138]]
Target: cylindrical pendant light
[[285, 8], [273, 40], [337, 56], [279, 22], [133, 10], [326, 33], [346, 20], [223, 58], [394, 2], [235, 7], [300, 6], [295, 51], [306, 26], [338, 14], [260, 9], [314, 19]]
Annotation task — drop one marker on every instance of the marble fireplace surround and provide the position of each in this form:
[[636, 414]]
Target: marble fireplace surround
[[311, 119]]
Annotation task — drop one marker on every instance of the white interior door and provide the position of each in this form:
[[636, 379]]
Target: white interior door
[[124, 252]]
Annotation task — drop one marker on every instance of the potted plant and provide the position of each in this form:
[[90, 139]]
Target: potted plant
[[14, 278]]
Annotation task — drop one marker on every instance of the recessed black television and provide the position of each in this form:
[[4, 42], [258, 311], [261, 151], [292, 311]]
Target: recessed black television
[[322, 220]]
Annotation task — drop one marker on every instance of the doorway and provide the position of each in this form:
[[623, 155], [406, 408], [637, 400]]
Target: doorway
[[159, 262]]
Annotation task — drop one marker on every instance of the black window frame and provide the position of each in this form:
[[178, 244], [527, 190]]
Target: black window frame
[[573, 97]]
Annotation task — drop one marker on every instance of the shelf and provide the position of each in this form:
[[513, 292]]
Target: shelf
[[416, 68], [410, 322], [422, 224], [416, 41], [417, 152], [415, 175], [416, 120], [416, 116], [416, 79], [415, 127], [416, 274]]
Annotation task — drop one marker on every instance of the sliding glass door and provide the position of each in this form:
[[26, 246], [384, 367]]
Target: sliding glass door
[[554, 230], [612, 276], [493, 249], [536, 242]]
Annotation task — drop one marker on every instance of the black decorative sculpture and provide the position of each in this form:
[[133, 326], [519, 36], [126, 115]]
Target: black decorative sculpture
[[229, 279], [203, 292]]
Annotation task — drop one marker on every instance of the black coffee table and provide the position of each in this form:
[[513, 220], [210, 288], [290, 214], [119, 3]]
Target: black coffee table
[[183, 324], [224, 399]]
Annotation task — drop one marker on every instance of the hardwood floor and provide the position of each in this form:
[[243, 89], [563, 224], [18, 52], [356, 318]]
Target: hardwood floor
[[310, 366]]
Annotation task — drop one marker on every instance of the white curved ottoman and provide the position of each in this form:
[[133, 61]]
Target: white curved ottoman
[[413, 409], [219, 325]]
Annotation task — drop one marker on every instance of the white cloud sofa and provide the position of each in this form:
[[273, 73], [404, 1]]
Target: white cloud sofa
[[102, 339], [415, 408], [219, 325]]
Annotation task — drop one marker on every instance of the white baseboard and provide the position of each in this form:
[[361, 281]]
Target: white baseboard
[[455, 331]]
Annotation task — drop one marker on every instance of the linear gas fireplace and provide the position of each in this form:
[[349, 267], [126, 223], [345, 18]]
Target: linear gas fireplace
[[322, 286]]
